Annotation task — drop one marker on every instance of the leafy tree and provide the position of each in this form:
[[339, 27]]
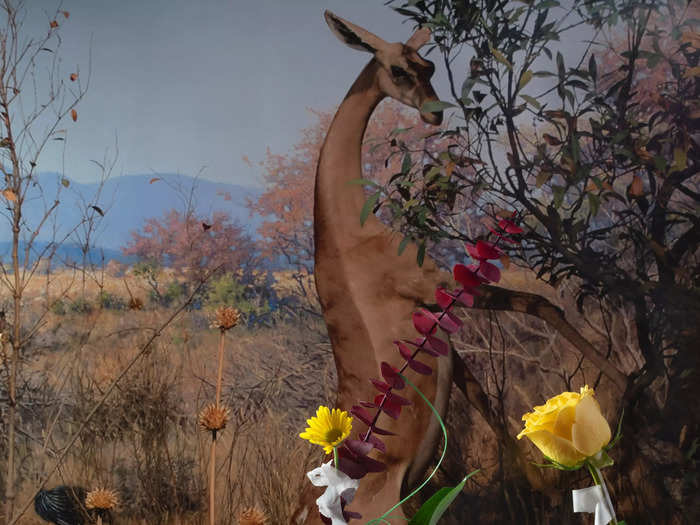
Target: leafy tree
[[596, 156], [191, 246]]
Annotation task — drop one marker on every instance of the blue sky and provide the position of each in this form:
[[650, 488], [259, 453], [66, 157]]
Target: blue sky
[[187, 85], [196, 85]]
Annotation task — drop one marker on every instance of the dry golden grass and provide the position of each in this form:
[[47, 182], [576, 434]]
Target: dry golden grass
[[144, 441]]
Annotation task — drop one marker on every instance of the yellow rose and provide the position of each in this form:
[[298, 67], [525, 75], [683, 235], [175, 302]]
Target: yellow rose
[[568, 428]]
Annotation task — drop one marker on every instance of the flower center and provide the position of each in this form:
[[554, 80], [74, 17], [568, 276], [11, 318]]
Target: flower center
[[333, 435]]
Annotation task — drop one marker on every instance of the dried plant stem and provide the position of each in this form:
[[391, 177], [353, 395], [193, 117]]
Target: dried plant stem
[[221, 368], [212, 478], [212, 458]]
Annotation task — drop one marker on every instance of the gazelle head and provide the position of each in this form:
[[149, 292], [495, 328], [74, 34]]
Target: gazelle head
[[403, 74]]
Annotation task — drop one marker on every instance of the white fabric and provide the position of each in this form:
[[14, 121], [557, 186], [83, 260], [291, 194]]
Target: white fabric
[[592, 499], [339, 484]]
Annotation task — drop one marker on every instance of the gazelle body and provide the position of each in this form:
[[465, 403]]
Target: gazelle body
[[367, 291]]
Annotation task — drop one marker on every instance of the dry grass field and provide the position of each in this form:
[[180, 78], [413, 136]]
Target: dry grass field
[[144, 440]]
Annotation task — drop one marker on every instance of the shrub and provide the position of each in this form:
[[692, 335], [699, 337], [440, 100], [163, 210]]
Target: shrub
[[80, 306], [58, 307], [252, 299], [110, 301]]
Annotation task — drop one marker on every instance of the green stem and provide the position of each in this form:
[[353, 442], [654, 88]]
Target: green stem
[[335, 457], [598, 479]]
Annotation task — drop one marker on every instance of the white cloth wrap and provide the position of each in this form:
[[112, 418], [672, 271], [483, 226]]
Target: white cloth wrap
[[339, 484], [592, 499]]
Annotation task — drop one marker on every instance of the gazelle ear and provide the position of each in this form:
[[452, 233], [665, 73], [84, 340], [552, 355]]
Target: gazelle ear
[[419, 38], [353, 35]]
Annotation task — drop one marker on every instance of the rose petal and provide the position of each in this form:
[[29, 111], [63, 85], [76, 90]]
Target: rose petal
[[591, 431], [556, 448]]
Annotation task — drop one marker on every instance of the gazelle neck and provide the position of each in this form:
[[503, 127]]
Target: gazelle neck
[[338, 204]]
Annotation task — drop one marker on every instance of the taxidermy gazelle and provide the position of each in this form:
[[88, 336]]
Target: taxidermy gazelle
[[367, 291]]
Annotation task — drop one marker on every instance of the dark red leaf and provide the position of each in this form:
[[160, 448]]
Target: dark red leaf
[[472, 251], [350, 467], [378, 443], [419, 367], [367, 404], [381, 431], [391, 409], [391, 376], [399, 400], [509, 226], [444, 298], [350, 515], [490, 271], [487, 250], [380, 385], [421, 343], [445, 322], [465, 298], [425, 324], [450, 322], [454, 319], [371, 465], [437, 344], [359, 447], [405, 351], [361, 414], [465, 276]]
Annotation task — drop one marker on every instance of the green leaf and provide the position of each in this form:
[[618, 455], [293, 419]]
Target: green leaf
[[500, 57], [370, 203], [406, 164], [558, 192], [532, 101], [432, 173], [467, 86], [593, 203], [421, 253], [592, 67], [433, 106], [560, 67], [542, 177], [601, 460], [527, 76], [680, 159], [433, 509], [402, 245]]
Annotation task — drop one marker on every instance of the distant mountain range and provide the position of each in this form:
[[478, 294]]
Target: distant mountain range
[[126, 201]]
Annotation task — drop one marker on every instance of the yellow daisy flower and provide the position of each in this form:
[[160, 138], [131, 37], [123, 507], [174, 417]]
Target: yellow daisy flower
[[327, 428]]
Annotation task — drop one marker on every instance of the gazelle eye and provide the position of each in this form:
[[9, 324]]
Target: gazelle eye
[[399, 73]]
